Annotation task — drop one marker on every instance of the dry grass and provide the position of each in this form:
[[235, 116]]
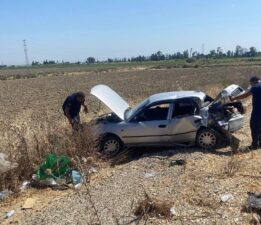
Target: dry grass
[[232, 166], [149, 208], [29, 147]]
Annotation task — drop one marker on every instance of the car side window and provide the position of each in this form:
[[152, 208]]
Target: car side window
[[185, 108], [155, 112]]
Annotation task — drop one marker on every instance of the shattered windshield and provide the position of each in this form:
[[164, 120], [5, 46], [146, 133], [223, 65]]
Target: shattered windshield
[[131, 111]]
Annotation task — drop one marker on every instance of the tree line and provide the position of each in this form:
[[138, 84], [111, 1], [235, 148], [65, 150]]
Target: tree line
[[159, 56]]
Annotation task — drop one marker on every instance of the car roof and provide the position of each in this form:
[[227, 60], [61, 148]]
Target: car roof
[[176, 95]]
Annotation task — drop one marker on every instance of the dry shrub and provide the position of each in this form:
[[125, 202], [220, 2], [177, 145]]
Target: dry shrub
[[232, 166], [16, 147], [149, 208], [28, 146]]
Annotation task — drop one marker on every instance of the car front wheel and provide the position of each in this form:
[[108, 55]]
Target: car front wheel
[[111, 145], [208, 139]]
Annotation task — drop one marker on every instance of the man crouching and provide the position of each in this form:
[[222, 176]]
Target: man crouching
[[72, 107]]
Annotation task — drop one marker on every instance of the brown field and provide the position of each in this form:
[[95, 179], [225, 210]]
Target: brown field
[[31, 112], [39, 100]]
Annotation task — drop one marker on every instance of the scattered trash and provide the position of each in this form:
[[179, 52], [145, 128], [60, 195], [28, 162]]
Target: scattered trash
[[60, 181], [55, 172], [226, 197], [9, 214], [40, 184], [93, 170], [53, 167], [149, 175], [177, 162], [25, 185], [76, 177], [29, 203], [49, 182], [77, 186], [5, 165], [173, 211], [254, 201], [52, 172], [4, 194]]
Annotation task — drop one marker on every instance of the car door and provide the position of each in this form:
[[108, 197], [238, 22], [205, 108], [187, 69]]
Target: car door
[[185, 121], [150, 126]]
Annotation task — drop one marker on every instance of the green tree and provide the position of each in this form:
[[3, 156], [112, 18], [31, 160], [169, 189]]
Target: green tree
[[157, 56], [90, 60], [35, 63], [252, 52], [239, 51], [229, 53], [179, 55], [212, 53], [219, 52], [186, 54]]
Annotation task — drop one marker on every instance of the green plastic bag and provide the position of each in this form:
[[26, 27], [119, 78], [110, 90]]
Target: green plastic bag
[[54, 166]]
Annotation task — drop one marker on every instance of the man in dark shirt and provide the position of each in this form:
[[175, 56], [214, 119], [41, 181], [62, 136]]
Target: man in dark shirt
[[255, 121], [72, 107]]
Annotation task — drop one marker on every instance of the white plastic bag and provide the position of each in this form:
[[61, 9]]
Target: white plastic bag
[[6, 165]]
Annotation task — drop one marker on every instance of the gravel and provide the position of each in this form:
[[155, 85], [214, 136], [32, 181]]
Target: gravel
[[194, 191]]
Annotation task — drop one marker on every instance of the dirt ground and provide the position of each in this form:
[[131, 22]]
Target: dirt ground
[[194, 190]]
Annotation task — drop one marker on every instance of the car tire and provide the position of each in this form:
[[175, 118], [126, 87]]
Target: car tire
[[208, 139], [110, 145]]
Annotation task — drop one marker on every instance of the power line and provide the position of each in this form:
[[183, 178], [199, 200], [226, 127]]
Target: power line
[[26, 53]]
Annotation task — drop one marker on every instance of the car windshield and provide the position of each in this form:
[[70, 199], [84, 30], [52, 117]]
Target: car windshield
[[132, 111]]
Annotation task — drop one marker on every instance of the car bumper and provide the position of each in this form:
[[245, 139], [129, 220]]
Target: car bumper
[[234, 124]]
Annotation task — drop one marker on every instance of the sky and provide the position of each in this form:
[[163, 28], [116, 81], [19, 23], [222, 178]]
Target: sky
[[73, 30]]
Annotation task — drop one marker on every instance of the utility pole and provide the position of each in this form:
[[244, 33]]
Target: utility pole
[[25, 53], [190, 53], [203, 49]]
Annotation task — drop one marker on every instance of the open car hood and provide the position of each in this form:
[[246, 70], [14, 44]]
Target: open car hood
[[111, 99]]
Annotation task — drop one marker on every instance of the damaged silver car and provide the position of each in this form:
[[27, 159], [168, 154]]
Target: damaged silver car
[[167, 119]]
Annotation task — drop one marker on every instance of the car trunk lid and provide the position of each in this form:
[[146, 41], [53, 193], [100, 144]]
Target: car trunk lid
[[231, 90], [224, 96]]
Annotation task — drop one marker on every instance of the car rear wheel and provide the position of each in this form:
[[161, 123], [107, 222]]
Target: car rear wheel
[[110, 145], [208, 139]]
